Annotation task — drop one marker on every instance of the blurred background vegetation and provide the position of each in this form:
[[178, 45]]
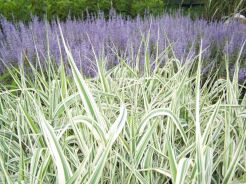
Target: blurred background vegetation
[[24, 9]]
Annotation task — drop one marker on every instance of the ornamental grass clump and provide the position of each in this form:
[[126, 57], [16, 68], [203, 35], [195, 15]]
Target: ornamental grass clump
[[167, 124]]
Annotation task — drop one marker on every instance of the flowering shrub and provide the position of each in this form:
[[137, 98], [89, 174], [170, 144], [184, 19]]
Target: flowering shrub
[[127, 38]]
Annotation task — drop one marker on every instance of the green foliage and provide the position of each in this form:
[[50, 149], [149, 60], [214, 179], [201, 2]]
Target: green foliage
[[6, 78], [23, 9], [216, 9]]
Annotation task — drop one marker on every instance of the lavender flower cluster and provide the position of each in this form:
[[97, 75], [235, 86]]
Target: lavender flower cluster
[[122, 36]]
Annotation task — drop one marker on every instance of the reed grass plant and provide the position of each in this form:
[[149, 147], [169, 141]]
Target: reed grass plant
[[166, 124]]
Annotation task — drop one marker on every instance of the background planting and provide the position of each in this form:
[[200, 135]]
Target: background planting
[[23, 9], [134, 40]]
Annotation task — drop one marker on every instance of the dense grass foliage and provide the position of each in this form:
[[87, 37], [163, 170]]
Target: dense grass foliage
[[135, 40], [157, 99], [216, 9], [165, 125]]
